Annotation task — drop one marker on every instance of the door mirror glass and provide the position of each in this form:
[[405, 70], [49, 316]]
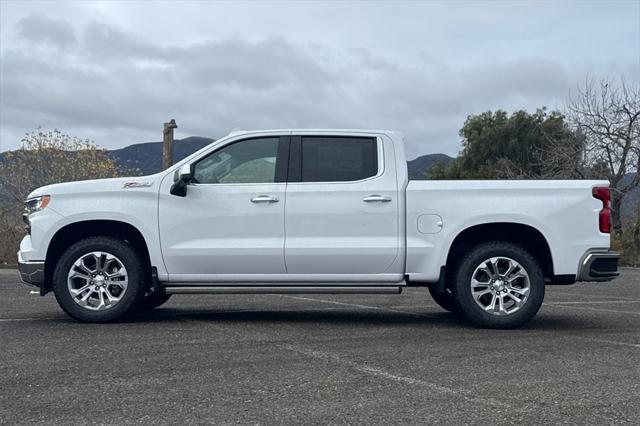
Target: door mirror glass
[[184, 173]]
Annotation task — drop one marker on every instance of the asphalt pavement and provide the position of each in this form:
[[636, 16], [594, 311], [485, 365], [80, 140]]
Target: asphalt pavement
[[318, 359]]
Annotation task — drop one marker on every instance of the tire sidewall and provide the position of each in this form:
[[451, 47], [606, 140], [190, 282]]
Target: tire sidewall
[[129, 258], [462, 286]]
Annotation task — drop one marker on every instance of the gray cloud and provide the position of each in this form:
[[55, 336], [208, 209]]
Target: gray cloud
[[97, 79], [42, 30]]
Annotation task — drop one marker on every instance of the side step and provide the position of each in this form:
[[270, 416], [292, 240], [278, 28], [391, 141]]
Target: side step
[[266, 289]]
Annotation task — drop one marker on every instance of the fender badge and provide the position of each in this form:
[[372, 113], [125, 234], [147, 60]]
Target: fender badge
[[137, 184]]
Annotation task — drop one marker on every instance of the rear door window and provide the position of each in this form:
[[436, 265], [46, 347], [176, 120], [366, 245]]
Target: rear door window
[[338, 159]]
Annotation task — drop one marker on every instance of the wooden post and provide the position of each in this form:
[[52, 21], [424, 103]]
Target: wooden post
[[167, 145]]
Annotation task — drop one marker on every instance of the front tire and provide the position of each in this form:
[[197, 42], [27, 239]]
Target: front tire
[[99, 279], [498, 285]]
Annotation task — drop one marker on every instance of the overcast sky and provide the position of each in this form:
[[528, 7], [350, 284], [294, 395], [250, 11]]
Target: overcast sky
[[113, 71]]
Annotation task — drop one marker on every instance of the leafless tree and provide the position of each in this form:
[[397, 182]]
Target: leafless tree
[[607, 113]]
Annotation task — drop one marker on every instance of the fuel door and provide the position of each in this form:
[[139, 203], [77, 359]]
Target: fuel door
[[429, 223]]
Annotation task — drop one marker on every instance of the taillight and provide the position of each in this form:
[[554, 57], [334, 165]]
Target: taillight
[[603, 194]]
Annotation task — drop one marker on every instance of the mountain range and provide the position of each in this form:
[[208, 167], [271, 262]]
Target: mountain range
[[147, 157]]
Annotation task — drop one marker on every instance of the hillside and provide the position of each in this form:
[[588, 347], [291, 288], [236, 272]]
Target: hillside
[[147, 157], [418, 167]]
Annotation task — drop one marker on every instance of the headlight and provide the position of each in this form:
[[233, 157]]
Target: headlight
[[36, 204], [31, 206]]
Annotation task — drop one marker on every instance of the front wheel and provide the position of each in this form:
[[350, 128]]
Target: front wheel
[[99, 279], [498, 285]]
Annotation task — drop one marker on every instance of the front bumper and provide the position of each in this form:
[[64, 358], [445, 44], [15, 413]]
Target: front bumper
[[598, 265], [31, 272]]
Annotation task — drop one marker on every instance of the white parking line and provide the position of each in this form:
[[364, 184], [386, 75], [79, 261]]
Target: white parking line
[[237, 311], [553, 305], [594, 309], [355, 305], [413, 306], [28, 319], [184, 315], [611, 342], [593, 302], [596, 296], [377, 372]]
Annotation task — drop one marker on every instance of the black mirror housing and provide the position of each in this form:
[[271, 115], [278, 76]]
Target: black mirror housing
[[179, 188]]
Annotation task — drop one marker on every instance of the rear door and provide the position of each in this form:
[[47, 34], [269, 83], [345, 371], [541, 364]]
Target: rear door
[[341, 215]]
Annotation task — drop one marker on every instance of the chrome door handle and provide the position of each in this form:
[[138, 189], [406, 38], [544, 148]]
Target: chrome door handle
[[264, 199], [379, 198]]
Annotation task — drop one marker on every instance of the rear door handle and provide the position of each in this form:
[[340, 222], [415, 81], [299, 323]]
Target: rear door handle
[[378, 198], [264, 199]]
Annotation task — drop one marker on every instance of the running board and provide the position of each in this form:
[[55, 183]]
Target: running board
[[265, 289]]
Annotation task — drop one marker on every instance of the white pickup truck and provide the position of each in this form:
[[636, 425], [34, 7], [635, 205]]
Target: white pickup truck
[[313, 211]]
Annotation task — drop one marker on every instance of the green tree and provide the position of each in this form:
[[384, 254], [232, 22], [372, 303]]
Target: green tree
[[496, 145]]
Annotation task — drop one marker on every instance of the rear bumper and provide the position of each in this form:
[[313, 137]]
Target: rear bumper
[[31, 272], [598, 265]]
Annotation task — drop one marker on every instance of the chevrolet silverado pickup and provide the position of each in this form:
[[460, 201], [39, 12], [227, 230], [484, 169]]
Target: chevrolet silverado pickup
[[313, 211]]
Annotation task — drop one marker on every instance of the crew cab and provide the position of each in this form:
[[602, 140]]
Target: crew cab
[[313, 211]]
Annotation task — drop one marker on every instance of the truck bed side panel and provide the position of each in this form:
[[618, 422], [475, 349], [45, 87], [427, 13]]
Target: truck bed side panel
[[564, 212]]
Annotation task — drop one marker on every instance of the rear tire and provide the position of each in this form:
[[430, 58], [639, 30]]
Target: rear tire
[[498, 285], [444, 299], [99, 279]]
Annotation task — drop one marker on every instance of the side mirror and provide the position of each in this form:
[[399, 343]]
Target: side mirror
[[185, 175]]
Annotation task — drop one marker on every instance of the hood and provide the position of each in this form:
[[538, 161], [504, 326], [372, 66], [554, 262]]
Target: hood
[[149, 183]]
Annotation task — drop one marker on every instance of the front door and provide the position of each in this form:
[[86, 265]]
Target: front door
[[230, 224]]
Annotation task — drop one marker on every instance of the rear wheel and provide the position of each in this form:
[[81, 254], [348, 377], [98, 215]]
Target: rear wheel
[[99, 279], [498, 285]]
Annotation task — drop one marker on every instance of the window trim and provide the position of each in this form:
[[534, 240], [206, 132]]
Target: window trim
[[295, 159], [282, 161]]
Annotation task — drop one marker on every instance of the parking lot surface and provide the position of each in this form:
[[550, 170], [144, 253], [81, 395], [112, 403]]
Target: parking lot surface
[[322, 359]]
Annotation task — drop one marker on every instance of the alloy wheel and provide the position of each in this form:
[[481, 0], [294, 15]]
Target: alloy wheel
[[97, 280], [500, 285]]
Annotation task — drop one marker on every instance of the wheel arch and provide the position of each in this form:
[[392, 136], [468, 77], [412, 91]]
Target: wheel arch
[[524, 235], [76, 231]]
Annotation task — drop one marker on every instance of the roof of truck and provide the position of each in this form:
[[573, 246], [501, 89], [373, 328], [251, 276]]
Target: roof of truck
[[236, 132]]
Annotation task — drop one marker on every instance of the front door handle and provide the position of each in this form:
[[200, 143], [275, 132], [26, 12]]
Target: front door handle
[[264, 199], [378, 198]]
